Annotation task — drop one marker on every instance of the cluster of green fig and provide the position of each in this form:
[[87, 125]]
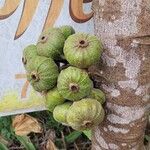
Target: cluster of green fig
[[56, 66]]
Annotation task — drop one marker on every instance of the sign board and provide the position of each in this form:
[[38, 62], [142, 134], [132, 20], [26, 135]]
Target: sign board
[[21, 23]]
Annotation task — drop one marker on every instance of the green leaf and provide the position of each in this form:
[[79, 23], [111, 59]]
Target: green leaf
[[25, 141], [88, 133], [72, 136], [147, 138], [5, 128], [3, 147]]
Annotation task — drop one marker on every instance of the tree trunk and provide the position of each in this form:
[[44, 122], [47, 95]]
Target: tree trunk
[[124, 74]]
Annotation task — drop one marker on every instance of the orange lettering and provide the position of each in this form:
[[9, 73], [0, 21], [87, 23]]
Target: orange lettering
[[24, 90], [20, 76], [9, 8], [76, 11], [25, 86], [26, 17], [75, 7], [53, 13]]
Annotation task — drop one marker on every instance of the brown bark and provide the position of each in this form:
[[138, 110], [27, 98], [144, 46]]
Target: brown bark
[[124, 74]]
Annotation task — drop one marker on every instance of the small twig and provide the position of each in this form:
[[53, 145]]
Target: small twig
[[63, 140], [37, 140], [69, 129], [135, 36], [141, 36], [15, 147], [147, 44], [75, 145]]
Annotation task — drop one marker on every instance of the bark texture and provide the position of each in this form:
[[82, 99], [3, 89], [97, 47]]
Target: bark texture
[[124, 73]]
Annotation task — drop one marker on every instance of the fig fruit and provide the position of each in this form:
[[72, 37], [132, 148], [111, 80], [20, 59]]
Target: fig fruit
[[53, 98], [74, 83], [28, 53], [42, 73], [60, 112], [82, 50], [98, 95], [51, 43], [85, 114], [67, 30]]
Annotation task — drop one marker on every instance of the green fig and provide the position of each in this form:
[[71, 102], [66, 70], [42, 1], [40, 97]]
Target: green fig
[[60, 112], [53, 98], [74, 83], [82, 50], [28, 53], [85, 114], [67, 30], [98, 95], [42, 73], [51, 43]]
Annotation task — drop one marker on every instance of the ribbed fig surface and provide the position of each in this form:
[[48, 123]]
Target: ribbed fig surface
[[85, 114], [42, 73], [67, 30], [74, 83], [98, 95], [60, 112], [82, 50], [53, 98], [28, 53], [51, 43]]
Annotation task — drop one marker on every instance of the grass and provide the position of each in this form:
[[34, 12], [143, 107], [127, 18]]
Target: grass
[[64, 137]]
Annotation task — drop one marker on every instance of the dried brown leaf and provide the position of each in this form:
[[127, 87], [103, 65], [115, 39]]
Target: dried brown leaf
[[25, 124], [50, 145]]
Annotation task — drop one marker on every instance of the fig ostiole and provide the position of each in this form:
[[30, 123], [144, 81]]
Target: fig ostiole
[[74, 83], [60, 112], [28, 53], [56, 66], [53, 98], [34, 76], [51, 43], [42, 73], [67, 30], [85, 114], [82, 50], [98, 95]]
